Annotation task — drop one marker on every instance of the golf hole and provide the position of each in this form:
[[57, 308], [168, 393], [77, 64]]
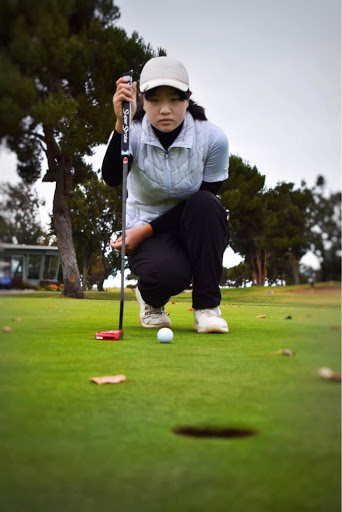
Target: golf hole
[[214, 432]]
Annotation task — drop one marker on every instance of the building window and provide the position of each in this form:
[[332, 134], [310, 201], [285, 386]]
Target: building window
[[34, 266], [17, 267], [51, 267]]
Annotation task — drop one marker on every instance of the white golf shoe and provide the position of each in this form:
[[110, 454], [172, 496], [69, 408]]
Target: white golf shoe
[[151, 317], [209, 320]]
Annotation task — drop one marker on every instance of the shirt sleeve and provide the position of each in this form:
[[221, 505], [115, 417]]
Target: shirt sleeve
[[216, 164], [112, 162]]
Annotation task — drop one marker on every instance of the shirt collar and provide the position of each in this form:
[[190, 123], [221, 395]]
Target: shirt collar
[[184, 139]]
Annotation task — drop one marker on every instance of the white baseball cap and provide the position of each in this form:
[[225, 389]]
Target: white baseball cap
[[164, 71]]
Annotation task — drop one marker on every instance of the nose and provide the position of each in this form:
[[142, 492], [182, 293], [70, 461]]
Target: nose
[[165, 108]]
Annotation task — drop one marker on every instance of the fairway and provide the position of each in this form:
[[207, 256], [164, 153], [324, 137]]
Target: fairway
[[68, 444]]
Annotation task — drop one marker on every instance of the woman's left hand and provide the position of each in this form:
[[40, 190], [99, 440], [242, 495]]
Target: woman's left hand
[[134, 236]]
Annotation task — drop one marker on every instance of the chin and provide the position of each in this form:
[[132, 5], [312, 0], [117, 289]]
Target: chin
[[166, 128]]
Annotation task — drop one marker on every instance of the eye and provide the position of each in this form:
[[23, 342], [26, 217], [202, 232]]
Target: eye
[[153, 99]]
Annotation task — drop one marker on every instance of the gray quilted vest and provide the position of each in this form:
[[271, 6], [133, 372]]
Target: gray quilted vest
[[159, 179]]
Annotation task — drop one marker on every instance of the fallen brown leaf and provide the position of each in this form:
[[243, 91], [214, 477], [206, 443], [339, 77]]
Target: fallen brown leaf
[[108, 379], [7, 328], [260, 316], [329, 374], [285, 352]]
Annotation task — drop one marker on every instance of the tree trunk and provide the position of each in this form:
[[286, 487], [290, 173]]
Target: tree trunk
[[62, 221], [294, 266], [264, 266], [60, 165], [61, 215], [254, 274], [259, 267], [85, 274], [100, 285]]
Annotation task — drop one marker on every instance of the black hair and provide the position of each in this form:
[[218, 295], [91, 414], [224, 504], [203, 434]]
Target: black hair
[[195, 110]]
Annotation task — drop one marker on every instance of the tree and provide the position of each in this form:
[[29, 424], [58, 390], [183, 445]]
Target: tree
[[325, 236], [58, 62], [104, 265], [289, 231], [243, 194], [279, 269], [19, 215], [96, 215], [237, 276]]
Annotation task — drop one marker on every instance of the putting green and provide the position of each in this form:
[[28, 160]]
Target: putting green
[[68, 444]]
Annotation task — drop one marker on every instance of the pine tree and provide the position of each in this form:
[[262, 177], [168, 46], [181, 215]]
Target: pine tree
[[58, 66]]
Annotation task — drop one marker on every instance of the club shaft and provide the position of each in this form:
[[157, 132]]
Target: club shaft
[[125, 151], [123, 246]]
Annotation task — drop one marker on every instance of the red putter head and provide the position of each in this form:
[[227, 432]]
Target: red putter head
[[114, 335]]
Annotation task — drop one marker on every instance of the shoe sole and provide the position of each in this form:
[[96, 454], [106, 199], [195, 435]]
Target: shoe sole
[[154, 326], [209, 330]]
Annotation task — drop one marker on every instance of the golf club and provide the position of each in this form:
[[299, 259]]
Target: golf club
[[126, 121]]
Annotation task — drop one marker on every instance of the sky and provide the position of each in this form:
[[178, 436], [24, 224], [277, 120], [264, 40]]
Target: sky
[[268, 72]]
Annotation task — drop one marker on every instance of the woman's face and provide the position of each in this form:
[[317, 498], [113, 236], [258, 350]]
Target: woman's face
[[164, 109]]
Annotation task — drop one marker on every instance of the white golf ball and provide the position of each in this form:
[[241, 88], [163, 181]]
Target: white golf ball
[[165, 335]]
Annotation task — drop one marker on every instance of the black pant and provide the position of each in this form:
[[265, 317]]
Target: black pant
[[167, 262]]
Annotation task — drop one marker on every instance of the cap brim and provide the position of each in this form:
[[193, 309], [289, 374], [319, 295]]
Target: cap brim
[[151, 84]]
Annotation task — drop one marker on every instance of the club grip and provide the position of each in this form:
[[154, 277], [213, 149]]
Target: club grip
[[126, 119]]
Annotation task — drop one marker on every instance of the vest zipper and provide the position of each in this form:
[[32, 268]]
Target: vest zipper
[[168, 172]]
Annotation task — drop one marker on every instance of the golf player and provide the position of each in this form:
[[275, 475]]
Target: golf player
[[176, 228]]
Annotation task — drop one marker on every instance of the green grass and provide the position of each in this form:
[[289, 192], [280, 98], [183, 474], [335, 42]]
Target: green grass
[[68, 444]]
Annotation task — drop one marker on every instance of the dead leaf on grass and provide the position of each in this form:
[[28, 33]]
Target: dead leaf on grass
[[17, 319], [108, 379], [7, 329], [285, 352], [260, 316], [329, 374]]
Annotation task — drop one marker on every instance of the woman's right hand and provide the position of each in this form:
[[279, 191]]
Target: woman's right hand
[[124, 92], [134, 237]]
